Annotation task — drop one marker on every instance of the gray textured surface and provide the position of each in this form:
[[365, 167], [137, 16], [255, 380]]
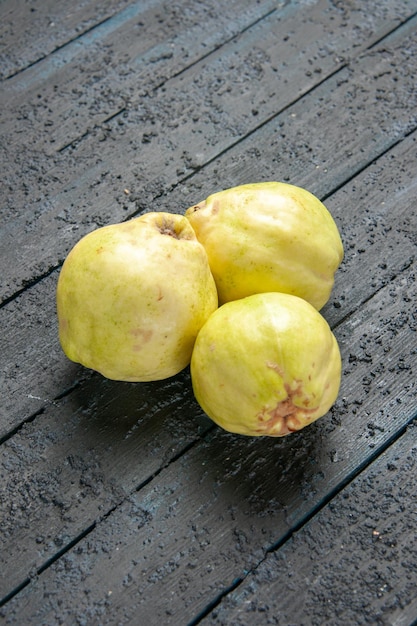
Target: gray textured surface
[[122, 503], [353, 563]]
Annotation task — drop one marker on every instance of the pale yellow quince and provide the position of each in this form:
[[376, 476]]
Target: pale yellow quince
[[267, 364], [131, 298], [268, 236]]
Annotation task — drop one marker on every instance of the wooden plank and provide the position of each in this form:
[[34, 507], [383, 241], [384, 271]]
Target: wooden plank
[[257, 54], [141, 59], [110, 491], [142, 46], [100, 175], [318, 142], [230, 499], [376, 214], [30, 31], [390, 241], [83, 456], [352, 563], [42, 436]]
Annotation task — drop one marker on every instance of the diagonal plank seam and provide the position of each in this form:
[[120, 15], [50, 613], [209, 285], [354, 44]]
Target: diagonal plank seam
[[87, 531], [302, 523], [175, 75], [88, 375], [196, 170], [383, 37], [59, 48], [392, 279], [273, 548]]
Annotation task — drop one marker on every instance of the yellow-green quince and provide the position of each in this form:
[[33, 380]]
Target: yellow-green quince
[[267, 364], [269, 236], [131, 298]]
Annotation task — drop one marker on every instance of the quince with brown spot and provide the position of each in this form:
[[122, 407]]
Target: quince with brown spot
[[131, 298], [267, 364]]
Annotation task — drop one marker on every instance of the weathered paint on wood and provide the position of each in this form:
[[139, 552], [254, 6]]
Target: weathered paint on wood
[[110, 490], [300, 583], [69, 96], [378, 231], [31, 31], [214, 512], [81, 458], [166, 135]]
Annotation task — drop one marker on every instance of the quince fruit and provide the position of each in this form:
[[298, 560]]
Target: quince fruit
[[131, 298], [267, 364], [269, 236]]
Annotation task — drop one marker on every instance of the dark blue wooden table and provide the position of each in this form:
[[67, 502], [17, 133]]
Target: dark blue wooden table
[[122, 503]]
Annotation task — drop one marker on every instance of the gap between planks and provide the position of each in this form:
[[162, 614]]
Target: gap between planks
[[384, 442], [61, 201]]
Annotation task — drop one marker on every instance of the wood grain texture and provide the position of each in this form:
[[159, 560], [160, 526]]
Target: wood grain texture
[[376, 215], [30, 31], [65, 411], [300, 583], [138, 50], [168, 134], [80, 458], [123, 502], [211, 516]]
